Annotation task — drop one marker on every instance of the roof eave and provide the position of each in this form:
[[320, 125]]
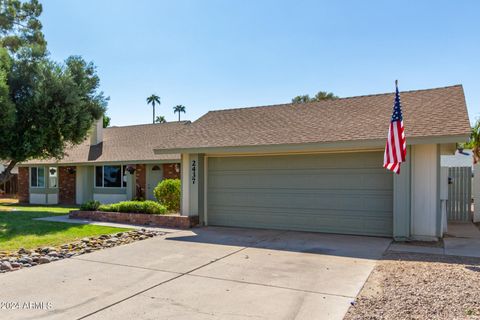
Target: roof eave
[[99, 163], [326, 146]]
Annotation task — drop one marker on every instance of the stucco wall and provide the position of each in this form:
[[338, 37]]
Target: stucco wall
[[424, 191]]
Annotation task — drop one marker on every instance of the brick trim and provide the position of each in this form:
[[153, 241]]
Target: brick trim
[[167, 221], [140, 181], [67, 186], [23, 185], [169, 171]]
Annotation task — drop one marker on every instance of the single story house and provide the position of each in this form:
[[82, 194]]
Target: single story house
[[113, 164], [318, 166]]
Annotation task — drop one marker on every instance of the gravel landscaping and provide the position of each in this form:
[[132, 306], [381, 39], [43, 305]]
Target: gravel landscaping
[[24, 258], [420, 286]]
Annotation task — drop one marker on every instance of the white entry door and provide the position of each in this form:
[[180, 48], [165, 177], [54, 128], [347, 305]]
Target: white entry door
[[154, 176]]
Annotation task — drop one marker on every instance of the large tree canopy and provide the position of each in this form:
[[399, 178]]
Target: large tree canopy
[[45, 106]]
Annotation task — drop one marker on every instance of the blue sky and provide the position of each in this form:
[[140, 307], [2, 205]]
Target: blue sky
[[211, 55]]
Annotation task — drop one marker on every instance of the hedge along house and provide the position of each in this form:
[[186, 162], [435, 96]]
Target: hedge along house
[[318, 166], [113, 164]]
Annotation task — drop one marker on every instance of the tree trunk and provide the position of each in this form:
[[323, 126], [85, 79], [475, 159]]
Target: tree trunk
[[153, 113], [7, 173], [179, 117]]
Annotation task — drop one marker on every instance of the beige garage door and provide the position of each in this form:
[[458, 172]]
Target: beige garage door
[[348, 193]]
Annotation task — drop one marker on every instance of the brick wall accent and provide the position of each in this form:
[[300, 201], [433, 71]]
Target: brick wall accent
[[141, 180], [23, 185], [167, 221], [66, 185], [169, 171]]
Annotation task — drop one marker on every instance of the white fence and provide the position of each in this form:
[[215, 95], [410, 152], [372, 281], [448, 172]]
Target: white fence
[[459, 204]]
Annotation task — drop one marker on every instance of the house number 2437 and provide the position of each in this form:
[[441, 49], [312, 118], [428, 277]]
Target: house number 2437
[[194, 171]]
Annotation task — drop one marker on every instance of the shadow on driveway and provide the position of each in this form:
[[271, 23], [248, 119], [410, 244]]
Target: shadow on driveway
[[362, 247]]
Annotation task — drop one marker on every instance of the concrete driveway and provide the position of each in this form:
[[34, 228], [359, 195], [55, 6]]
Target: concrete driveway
[[204, 273]]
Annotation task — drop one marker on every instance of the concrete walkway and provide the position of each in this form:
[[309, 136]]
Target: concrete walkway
[[204, 273], [66, 219], [465, 240], [462, 239]]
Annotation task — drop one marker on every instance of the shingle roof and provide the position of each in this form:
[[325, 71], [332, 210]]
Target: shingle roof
[[432, 112], [128, 143]]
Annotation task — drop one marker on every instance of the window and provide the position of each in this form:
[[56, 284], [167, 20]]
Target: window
[[37, 177], [108, 177], [52, 177]]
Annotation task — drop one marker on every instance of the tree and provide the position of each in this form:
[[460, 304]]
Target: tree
[[474, 142], [45, 106], [20, 29], [301, 99], [160, 119], [153, 99], [106, 121], [320, 96], [323, 95], [179, 108]]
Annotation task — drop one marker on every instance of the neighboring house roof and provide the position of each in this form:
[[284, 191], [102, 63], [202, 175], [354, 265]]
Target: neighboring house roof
[[460, 159], [427, 113], [129, 143]]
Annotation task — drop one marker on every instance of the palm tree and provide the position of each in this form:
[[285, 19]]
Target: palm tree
[[474, 142], [179, 108], [153, 99], [160, 119]]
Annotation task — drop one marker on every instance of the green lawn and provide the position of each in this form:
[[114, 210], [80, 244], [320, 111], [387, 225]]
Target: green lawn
[[18, 230]]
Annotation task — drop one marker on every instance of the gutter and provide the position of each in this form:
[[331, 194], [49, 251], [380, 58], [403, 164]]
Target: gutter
[[312, 147]]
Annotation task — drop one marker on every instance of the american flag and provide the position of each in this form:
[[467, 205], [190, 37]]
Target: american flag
[[396, 148]]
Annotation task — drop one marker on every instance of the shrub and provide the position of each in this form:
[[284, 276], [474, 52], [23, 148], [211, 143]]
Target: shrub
[[168, 193], [90, 206], [150, 207]]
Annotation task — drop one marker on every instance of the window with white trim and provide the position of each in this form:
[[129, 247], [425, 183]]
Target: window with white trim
[[37, 177], [109, 176]]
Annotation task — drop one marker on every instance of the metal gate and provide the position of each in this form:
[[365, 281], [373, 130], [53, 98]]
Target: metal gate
[[459, 204]]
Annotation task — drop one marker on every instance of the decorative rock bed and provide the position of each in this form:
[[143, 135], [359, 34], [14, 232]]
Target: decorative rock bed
[[23, 258], [153, 220]]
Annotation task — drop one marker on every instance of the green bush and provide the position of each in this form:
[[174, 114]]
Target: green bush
[[90, 206], [168, 193], [150, 207]]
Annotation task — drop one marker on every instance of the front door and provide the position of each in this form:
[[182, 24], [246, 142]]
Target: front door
[[154, 176]]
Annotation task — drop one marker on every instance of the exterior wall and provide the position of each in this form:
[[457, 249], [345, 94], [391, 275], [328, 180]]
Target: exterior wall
[[77, 188], [23, 185], [140, 181], [169, 171], [401, 200], [109, 197], [425, 206], [84, 184], [37, 198], [42, 195], [192, 196], [67, 185]]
